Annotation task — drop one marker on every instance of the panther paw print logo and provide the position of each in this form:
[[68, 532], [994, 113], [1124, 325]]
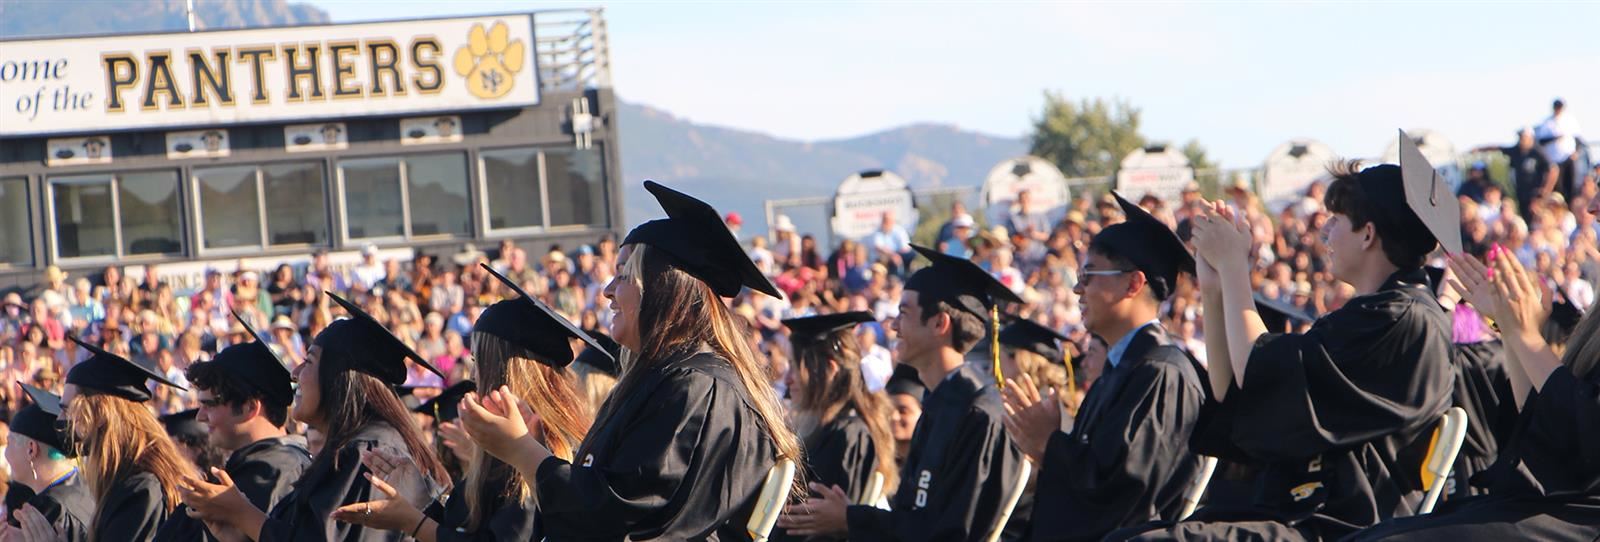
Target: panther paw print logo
[[489, 61]]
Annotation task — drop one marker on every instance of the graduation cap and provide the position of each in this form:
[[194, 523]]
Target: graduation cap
[[254, 366], [819, 328], [603, 358], [694, 234], [446, 406], [114, 375], [38, 421], [967, 287], [906, 381], [408, 395], [1428, 196], [1027, 335], [185, 424], [1147, 243], [1278, 316], [359, 343], [532, 325]]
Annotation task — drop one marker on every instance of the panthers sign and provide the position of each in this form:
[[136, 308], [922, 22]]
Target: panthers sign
[[266, 75]]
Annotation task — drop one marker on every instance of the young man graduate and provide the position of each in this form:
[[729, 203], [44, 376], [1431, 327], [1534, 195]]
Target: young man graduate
[[1126, 460], [1337, 419], [961, 464], [42, 461], [245, 393]]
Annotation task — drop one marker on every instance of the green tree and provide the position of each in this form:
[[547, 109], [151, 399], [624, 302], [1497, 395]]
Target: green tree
[[1196, 153], [1086, 138]]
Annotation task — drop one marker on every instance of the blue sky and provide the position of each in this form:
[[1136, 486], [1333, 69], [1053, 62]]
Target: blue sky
[[1240, 77]]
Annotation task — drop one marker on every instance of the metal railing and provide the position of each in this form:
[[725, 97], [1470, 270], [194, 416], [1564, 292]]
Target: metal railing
[[572, 48]]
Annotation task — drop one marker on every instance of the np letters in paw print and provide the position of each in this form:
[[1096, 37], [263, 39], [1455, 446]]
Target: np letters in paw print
[[489, 61]]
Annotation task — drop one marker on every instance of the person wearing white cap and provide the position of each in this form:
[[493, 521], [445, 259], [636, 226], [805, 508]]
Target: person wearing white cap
[[369, 272], [960, 232], [785, 244]]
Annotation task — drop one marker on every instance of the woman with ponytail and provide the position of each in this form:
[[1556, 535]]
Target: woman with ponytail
[[682, 446]]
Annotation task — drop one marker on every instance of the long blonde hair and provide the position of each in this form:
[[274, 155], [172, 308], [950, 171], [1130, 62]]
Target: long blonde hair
[[552, 394], [1044, 372], [678, 315], [121, 438], [595, 384]]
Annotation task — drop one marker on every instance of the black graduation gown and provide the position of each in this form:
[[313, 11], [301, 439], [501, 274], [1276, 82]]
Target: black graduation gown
[[681, 455], [1127, 460], [264, 471], [336, 480], [17, 495], [506, 521], [132, 509], [1337, 419], [840, 453], [68, 506], [1545, 484], [961, 465], [1484, 391]]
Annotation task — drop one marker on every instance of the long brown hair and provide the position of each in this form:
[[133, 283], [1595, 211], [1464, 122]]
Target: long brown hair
[[678, 315], [351, 400], [827, 398], [122, 438], [550, 392]]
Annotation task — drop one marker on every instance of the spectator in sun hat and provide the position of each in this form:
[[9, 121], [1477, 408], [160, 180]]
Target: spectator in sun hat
[[961, 228]]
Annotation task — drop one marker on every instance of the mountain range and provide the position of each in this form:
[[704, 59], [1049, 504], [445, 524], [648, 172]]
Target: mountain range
[[737, 169]]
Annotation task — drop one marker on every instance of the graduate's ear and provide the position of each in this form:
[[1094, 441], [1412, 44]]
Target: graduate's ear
[[942, 323], [1369, 235], [1137, 282]]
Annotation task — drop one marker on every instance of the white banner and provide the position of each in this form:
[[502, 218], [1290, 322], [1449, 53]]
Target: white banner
[[1158, 170], [278, 74], [1290, 168], [1046, 187], [863, 199]]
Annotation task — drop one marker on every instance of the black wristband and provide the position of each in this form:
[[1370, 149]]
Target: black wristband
[[418, 528]]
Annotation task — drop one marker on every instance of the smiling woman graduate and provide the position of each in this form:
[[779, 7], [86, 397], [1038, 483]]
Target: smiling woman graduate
[[345, 392], [682, 447]]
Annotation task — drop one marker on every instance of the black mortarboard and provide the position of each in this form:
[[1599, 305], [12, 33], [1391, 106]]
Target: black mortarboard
[[408, 395], [114, 375], [359, 343], [959, 282], [1428, 198], [38, 421], [446, 406], [1027, 335], [967, 287], [1278, 316], [186, 425], [694, 234], [530, 324], [817, 328], [603, 358], [905, 381], [1149, 245], [254, 366]]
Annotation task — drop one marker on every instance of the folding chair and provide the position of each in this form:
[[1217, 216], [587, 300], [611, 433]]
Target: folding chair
[[1010, 503], [774, 494], [1191, 498], [873, 491], [1442, 455]]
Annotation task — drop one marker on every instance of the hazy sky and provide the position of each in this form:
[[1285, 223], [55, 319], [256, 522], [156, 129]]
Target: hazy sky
[[1240, 77]]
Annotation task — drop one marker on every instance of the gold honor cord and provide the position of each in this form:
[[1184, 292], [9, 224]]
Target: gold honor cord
[[994, 346]]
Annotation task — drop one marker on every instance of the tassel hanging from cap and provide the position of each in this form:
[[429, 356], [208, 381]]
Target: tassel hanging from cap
[[994, 346]]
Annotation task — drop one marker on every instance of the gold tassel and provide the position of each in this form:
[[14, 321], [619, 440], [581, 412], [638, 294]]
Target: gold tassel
[[994, 346], [1072, 378]]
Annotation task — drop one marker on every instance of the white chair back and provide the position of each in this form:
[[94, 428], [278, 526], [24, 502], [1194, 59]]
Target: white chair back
[[874, 490], [774, 494], [1442, 456], [1010, 503], [1191, 498]]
